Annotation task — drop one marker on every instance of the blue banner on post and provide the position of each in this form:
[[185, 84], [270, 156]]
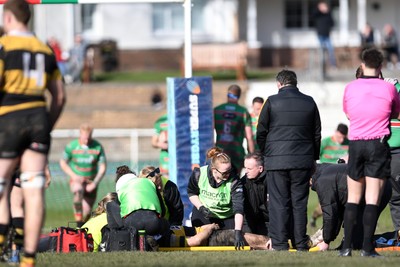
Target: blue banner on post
[[190, 129]]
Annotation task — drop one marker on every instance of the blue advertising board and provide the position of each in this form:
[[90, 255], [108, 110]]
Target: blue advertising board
[[190, 129]]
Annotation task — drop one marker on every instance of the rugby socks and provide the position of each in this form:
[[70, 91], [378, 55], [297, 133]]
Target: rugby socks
[[28, 260], [370, 219], [18, 224], [350, 220], [3, 237], [78, 211]]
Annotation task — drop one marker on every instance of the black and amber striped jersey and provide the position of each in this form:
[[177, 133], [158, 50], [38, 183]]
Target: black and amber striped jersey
[[27, 65]]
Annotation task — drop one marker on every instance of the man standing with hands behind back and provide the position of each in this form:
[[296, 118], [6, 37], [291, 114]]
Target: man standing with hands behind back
[[289, 136], [27, 69]]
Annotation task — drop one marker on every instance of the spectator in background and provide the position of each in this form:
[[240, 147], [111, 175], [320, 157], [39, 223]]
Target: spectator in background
[[335, 146], [160, 141], [255, 192], [257, 104], [324, 23], [26, 120], [84, 161], [58, 53], [76, 60], [391, 46], [169, 192], [369, 103], [367, 37], [232, 125], [216, 193], [289, 136]]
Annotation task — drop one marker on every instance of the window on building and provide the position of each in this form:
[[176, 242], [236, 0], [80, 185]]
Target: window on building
[[168, 18], [87, 14], [298, 13]]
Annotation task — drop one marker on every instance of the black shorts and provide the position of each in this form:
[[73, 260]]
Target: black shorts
[[369, 158], [29, 130]]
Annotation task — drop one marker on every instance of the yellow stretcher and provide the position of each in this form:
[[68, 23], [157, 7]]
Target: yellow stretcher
[[205, 248], [216, 248]]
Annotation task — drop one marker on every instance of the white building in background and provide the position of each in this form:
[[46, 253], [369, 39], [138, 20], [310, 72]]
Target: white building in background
[[139, 25], [264, 24]]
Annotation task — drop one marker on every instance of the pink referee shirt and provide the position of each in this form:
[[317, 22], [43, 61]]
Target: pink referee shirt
[[369, 104]]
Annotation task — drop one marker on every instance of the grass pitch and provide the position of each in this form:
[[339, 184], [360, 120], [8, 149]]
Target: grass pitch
[[207, 259]]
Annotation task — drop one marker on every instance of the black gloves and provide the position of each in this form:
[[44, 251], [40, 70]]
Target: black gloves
[[205, 211], [239, 240]]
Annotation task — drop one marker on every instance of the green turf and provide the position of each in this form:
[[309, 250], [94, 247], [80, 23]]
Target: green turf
[[207, 259], [160, 76]]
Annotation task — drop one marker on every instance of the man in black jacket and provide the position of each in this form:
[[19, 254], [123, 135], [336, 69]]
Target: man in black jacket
[[255, 192], [289, 136], [330, 183], [324, 23]]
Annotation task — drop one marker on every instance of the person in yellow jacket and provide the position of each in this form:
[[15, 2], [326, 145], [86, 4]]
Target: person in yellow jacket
[[99, 219]]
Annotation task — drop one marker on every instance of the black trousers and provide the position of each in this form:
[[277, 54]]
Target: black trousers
[[147, 220], [288, 197], [114, 215]]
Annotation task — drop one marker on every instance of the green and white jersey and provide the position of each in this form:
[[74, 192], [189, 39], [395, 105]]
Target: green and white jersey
[[254, 122], [161, 126], [84, 160], [230, 121], [331, 151], [394, 140]]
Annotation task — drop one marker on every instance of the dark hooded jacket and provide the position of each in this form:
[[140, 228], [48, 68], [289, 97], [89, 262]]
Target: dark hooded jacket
[[330, 183], [323, 23], [255, 192]]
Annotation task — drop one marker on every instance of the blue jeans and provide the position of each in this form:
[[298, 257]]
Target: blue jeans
[[326, 43]]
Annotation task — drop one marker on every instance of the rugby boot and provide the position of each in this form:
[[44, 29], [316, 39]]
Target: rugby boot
[[372, 254], [14, 259], [346, 252]]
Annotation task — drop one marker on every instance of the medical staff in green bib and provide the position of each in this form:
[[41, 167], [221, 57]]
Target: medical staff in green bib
[[217, 194], [141, 205]]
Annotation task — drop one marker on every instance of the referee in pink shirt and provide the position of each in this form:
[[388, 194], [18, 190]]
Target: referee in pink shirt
[[369, 102]]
